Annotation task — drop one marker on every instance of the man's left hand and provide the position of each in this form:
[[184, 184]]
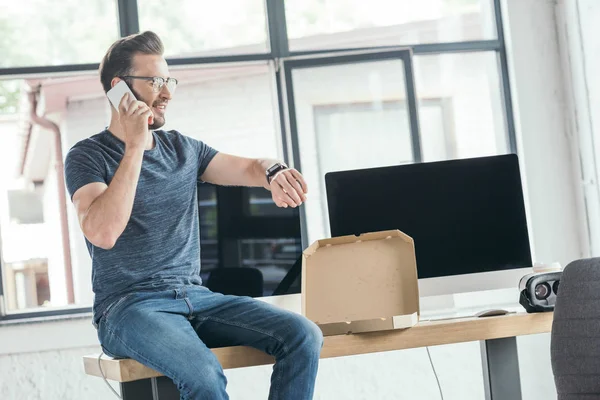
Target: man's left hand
[[288, 188]]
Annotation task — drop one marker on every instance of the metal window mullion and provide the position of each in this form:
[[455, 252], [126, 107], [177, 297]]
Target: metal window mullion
[[279, 48], [281, 112], [457, 47], [411, 98], [219, 59], [505, 81], [19, 72], [291, 108], [48, 314], [128, 17], [425, 48], [277, 28], [24, 72]]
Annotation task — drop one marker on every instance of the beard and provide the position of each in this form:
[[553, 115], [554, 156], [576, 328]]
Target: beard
[[158, 121]]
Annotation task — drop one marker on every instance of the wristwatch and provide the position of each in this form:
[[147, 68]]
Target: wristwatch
[[273, 170]]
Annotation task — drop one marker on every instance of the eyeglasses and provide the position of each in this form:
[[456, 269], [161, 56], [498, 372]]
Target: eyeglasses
[[157, 82]]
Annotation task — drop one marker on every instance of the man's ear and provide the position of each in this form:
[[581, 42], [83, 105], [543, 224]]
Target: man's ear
[[114, 81]]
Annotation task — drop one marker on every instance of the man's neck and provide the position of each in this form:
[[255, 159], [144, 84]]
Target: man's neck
[[115, 129]]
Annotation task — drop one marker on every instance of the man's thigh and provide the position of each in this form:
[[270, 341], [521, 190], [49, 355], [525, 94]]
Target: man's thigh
[[155, 330], [221, 321]]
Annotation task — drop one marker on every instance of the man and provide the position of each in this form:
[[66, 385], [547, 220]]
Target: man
[[134, 189]]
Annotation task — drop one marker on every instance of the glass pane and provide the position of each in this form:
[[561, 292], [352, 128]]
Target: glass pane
[[33, 257], [248, 244], [329, 24], [349, 116], [259, 203], [38, 228], [460, 106], [232, 108], [192, 28], [273, 258], [56, 32], [207, 211]]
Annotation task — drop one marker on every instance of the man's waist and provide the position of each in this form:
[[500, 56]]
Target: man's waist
[[103, 300]]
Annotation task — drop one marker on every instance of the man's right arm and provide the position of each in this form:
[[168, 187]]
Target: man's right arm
[[104, 211]]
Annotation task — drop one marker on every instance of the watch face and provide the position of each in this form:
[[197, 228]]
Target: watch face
[[273, 168]]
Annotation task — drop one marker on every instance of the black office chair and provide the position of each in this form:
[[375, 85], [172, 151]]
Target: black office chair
[[244, 281], [575, 338]]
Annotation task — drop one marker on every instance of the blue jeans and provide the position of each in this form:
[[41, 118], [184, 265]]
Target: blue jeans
[[171, 331]]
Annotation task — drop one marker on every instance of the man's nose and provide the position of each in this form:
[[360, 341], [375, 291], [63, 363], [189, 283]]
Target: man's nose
[[165, 93]]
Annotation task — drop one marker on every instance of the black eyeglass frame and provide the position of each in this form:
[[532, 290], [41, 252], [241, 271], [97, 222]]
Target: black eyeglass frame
[[158, 82]]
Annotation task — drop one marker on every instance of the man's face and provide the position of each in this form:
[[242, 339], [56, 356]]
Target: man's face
[[151, 66]]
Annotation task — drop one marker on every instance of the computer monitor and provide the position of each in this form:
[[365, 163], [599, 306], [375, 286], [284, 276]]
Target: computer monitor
[[467, 218]]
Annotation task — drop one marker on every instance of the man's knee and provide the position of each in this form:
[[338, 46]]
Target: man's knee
[[309, 336], [205, 381], [316, 336]]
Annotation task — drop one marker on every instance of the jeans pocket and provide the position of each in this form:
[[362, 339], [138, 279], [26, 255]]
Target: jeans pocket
[[114, 305], [106, 332]]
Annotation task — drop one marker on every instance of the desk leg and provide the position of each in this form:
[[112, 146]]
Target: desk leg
[[501, 378], [161, 388], [137, 390]]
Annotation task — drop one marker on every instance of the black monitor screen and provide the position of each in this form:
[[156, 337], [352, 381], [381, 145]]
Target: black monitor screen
[[465, 216]]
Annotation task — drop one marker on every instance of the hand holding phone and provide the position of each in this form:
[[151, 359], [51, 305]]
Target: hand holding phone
[[134, 115], [115, 95]]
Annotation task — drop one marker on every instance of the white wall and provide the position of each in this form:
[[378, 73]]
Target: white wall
[[578, 37], [538, 94], [554, 215], [44, 361], [549, 160]]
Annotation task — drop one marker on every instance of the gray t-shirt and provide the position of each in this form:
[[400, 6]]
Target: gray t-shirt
[[160, 246]]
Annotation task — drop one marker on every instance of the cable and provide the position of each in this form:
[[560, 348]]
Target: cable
[[104, 376], [435, 373]]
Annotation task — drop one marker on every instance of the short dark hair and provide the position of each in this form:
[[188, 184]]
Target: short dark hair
[[118, 58]]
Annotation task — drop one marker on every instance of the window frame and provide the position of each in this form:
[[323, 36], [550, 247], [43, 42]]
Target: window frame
[[128, 20]]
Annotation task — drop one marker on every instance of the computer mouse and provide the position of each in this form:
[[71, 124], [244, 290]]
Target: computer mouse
[[492, 312]]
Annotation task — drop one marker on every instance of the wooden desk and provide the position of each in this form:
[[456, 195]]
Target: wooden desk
[[497, 336]]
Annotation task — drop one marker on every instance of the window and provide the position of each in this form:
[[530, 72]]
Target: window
[[348, 116], [459, 94], [359, 135], [191, 28], [38, 227], [25, 252], [231, 108], [241, 228], [330, 24], [352, 116], [56, 32], [469, 118]]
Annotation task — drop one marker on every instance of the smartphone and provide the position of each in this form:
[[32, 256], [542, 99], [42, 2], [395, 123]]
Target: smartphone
[[115, 95]]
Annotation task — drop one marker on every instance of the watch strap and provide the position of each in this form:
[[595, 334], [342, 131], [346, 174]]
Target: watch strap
[[274, 170]]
